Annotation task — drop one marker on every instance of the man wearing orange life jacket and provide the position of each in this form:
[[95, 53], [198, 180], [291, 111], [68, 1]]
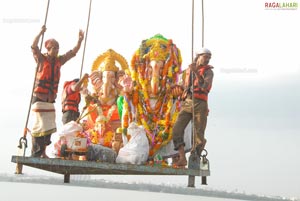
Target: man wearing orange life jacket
[[71, 98], [202, 82], [45, 90]]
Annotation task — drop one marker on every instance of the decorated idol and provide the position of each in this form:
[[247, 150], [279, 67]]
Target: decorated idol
[[102, 114], [154, 70]]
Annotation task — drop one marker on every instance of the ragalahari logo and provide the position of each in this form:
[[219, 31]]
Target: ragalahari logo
[[281, 5]]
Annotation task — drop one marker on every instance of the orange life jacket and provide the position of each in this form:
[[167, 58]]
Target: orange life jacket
[[47, 77], [198, 92], [70, 99]]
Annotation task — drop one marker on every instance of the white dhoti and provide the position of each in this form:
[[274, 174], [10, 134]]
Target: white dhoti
[[44, 119]]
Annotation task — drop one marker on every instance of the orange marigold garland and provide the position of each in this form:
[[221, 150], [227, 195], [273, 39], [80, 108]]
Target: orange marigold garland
[[156, 114]]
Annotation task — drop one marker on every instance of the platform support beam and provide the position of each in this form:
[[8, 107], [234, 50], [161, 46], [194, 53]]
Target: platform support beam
[[193, 163], [191, 181], [203, 180], [19, 168], [67, 178]]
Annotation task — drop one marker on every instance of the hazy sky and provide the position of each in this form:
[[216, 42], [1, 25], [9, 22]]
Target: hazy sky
[[253, 126]]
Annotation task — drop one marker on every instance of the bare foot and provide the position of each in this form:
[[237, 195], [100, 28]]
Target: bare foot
[[181, 163], [175, 159]]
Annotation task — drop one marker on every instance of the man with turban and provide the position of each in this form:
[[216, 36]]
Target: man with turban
[[45, 90]]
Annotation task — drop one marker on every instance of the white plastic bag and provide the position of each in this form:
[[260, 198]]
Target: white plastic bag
[[67, 135], [70, 128], [136, 151]]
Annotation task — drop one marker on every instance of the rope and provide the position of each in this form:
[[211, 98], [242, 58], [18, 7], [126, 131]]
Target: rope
[[41, 45], [23, 140], [87, 29], [202, 23], [193, 99], [192, 30], [192, 85]]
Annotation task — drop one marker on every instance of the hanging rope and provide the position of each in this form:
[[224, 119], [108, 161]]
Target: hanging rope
[[192, 85], [193, 99], [202, 23], [86, 34], [192, 30], [41, 45], [23, 140]]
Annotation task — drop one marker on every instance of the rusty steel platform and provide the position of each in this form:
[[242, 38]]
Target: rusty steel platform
[[69, 167]]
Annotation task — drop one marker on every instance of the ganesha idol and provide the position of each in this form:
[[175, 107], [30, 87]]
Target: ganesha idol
[[102, 116], [154, 70]]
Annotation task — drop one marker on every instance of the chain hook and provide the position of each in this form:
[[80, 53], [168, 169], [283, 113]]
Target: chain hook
[[22, 141]]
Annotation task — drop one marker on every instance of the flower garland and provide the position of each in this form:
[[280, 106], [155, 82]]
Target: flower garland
[[158, 119], [95, 136], [102, 117]]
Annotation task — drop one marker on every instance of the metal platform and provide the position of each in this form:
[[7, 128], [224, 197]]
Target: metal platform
[[68, 167]]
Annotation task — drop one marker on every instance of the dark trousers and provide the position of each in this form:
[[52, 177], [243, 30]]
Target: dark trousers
[[70, 115], [39, 145]]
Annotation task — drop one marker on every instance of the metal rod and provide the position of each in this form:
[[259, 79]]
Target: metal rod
[[191, 181], [86, 34], [204, 180], [67, 178]]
